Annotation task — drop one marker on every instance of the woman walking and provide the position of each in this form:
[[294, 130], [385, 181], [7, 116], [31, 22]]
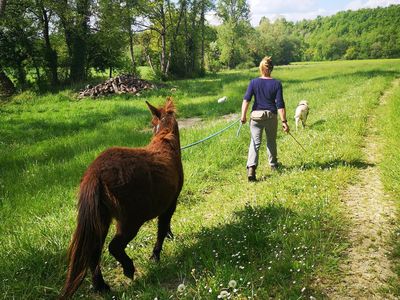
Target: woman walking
[[268, 103]]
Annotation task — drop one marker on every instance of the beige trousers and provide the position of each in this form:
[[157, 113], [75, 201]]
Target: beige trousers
[[270, 125]]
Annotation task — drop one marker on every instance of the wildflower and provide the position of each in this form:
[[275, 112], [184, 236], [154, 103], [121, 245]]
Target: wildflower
[[303, 289], [181, 288], [232, 284], [223, 295]]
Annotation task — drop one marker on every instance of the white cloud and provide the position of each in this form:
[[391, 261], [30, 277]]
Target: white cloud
[[296, 10], [358, 4], [283, 6], [292, 10]]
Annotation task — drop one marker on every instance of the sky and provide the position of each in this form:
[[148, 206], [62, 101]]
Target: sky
[[295, 10]]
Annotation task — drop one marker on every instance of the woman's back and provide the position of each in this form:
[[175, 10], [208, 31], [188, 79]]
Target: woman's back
[[267, 94]]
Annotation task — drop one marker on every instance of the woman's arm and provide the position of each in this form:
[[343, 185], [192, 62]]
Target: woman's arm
[[245, 106], [282, 115]]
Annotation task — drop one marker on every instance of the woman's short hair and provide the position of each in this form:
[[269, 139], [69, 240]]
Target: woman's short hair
[[266, 65]]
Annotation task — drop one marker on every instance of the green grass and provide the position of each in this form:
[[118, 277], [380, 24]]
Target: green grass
[[390, 166], [274, 237]]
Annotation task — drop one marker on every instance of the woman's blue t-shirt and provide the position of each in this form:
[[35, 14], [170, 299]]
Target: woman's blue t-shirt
[[267, 94]]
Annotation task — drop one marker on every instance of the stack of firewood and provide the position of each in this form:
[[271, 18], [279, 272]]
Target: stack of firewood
[[120, 85]]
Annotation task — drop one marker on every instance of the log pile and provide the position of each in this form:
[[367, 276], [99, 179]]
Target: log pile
[[124, 84]]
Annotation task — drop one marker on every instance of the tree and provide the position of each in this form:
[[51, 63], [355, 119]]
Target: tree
[[107, 45], [232, 33], [163, 20], [17, 41], [74, 18], [43, 12], [276, 39], [2, 6]]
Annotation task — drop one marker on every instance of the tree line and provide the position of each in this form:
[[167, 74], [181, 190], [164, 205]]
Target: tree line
[[45, 43]]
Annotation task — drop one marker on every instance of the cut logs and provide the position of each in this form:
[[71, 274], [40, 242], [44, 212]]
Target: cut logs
[[124, 84]]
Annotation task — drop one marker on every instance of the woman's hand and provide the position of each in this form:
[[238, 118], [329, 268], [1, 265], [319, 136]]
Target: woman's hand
[[245, 106], [285, 126]]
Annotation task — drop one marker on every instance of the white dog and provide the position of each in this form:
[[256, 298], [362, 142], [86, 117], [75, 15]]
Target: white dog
[[222, 100], [301, 113]]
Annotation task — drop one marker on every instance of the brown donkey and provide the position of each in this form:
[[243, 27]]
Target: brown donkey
[[132, 186]]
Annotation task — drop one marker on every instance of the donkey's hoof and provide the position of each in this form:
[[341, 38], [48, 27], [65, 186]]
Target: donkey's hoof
[[101, 288], [129, 272], [155, 257], [170, 235]]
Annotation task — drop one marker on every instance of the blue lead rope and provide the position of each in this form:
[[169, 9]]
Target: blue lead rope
[[214, 134]]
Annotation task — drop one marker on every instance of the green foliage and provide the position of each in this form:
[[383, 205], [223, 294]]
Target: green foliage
[[273, 237], [366, 33], [108, 44], [276, 40], [43, 42], [233, 33]]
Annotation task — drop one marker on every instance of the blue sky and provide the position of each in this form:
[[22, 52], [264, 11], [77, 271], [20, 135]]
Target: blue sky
[[295, 10]]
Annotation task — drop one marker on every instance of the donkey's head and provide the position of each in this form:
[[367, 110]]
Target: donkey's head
[[164, 117]]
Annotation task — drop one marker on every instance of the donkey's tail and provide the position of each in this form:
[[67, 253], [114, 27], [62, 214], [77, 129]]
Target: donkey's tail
[[87, 242]]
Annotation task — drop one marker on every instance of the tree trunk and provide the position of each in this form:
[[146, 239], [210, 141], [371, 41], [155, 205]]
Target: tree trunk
[[192, 39], [202, 24], [79, 42], [7, 87], [131, 49], [21, 74], [163, 41], [2, 6], [50, 53], [173, 43]]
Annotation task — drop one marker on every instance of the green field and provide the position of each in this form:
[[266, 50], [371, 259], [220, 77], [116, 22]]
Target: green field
[[276, 238]]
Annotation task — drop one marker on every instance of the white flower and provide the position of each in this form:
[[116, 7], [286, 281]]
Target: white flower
[[181, 288], [232, 284], [223, 295]]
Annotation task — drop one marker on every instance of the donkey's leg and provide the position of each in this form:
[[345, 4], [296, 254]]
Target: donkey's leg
[[164, 229], [125, 233], [97, 278]]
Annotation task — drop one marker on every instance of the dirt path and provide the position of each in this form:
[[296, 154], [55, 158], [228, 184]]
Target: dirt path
[[367, 269]]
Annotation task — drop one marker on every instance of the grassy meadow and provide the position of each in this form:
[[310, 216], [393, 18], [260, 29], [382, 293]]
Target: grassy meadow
[[278, 238]]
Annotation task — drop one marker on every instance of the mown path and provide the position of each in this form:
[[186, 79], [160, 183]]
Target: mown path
[[366, 270]]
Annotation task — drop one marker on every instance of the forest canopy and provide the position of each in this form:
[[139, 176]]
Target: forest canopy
[[44, 43]]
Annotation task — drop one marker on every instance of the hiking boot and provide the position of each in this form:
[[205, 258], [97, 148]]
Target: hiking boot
[[275, 168], [251, 173]]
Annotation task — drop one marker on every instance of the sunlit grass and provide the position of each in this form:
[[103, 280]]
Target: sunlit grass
[[390, 166], [273, 237]]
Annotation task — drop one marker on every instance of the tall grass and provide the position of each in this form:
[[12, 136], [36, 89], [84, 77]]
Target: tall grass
[[390, 131], [274, 238]]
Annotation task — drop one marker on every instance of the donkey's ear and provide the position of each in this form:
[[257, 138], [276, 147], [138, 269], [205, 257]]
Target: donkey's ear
[[170, 106], [154, 110]]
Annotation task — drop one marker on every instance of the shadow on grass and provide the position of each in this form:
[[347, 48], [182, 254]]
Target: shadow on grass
[[268, 250], [317, 125], [357, 164], [46, 129]]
